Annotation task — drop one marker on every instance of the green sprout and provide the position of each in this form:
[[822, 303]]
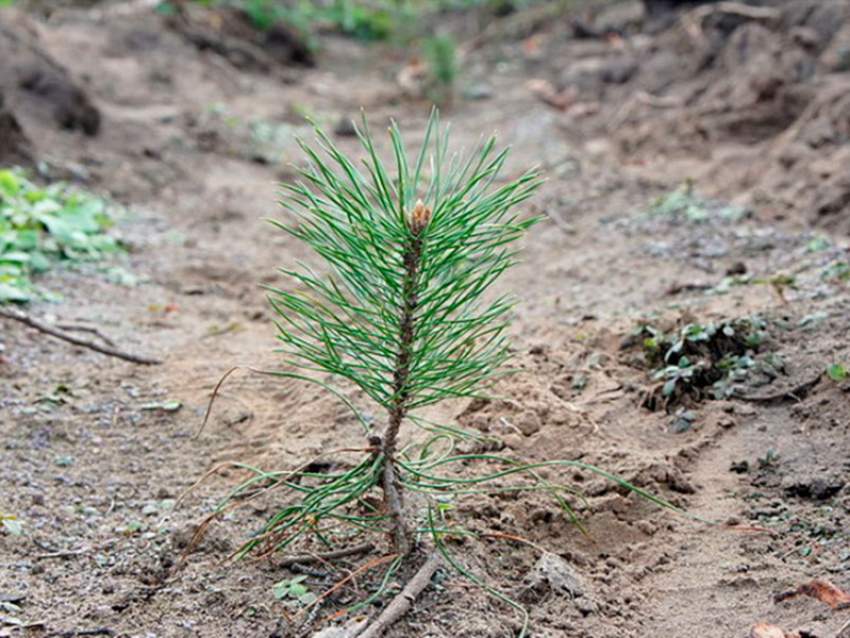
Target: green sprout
[[441, 53], [12, 525], [410, 256]]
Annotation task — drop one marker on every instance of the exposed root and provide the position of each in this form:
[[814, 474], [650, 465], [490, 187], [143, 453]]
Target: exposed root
[[404, 601], [363, 548]]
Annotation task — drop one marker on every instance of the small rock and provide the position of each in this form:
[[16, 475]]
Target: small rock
[[745, 410], [529, 422], [479, 91], [513, 441], [738, 268], [726, 422], [345, 127], [150, 510], [740, 467], [552, 573]]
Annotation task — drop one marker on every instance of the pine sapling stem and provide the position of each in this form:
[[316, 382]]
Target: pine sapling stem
[[416, 223]]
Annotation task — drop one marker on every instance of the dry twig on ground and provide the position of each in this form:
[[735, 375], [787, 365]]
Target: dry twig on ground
[[22, 317]]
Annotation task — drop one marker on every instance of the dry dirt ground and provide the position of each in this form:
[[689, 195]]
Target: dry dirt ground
[[616, 122]]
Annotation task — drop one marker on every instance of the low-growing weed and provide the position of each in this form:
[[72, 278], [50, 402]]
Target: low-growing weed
[[704, 360], [40, 226], [683, 205]]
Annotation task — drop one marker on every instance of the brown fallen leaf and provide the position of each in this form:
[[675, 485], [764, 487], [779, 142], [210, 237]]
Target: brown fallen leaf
[[767, 630], [547, 92], [819, 589]]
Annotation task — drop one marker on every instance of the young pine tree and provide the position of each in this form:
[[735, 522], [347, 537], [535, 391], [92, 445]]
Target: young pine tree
[[408, 250]]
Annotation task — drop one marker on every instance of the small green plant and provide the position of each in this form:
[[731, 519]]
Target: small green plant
[[441, 54], [709, 358], [294, 589], [39, 226], [685, 206], [837, 271], [838, 372], [398, 310], [769, 460], [12, 525]]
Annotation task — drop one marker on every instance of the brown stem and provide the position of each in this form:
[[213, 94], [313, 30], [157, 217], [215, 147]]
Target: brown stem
[[395, 505], [398, 408], [402, 363]]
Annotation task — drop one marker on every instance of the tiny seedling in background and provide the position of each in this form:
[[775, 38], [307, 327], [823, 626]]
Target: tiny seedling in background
[[440, 53], [837, 372], [294, 588], [12, 525]]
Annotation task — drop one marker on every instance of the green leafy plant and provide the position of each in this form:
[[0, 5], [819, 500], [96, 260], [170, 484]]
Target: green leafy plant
[[705, 359], [685, 206], [363, 21], [39, 226], [295, 589], [838, 372], [12, 525], [440, 52], [399, 310]]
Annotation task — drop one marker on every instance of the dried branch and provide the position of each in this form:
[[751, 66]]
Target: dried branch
[[404, 601], [14, 314]]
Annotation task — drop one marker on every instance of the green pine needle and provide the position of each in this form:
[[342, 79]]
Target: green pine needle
[[375, 312]]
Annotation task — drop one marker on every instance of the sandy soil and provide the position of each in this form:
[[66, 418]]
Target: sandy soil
[[95, 476]]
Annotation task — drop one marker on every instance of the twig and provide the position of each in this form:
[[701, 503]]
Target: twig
[[403, 602], [289, 561], [797, 393], [735, 8], [659, 101], [22, 317], [72, 327], [362, 568]]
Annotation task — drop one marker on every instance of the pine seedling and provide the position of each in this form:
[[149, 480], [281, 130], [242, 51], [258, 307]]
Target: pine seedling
[[409, 253]]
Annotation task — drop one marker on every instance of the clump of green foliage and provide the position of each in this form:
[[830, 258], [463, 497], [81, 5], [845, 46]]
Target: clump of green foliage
[[708, 360], [398, 310], [684, 205], [838, 372], [837, 271], [40, 226], [368, 21], [440, 52]]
